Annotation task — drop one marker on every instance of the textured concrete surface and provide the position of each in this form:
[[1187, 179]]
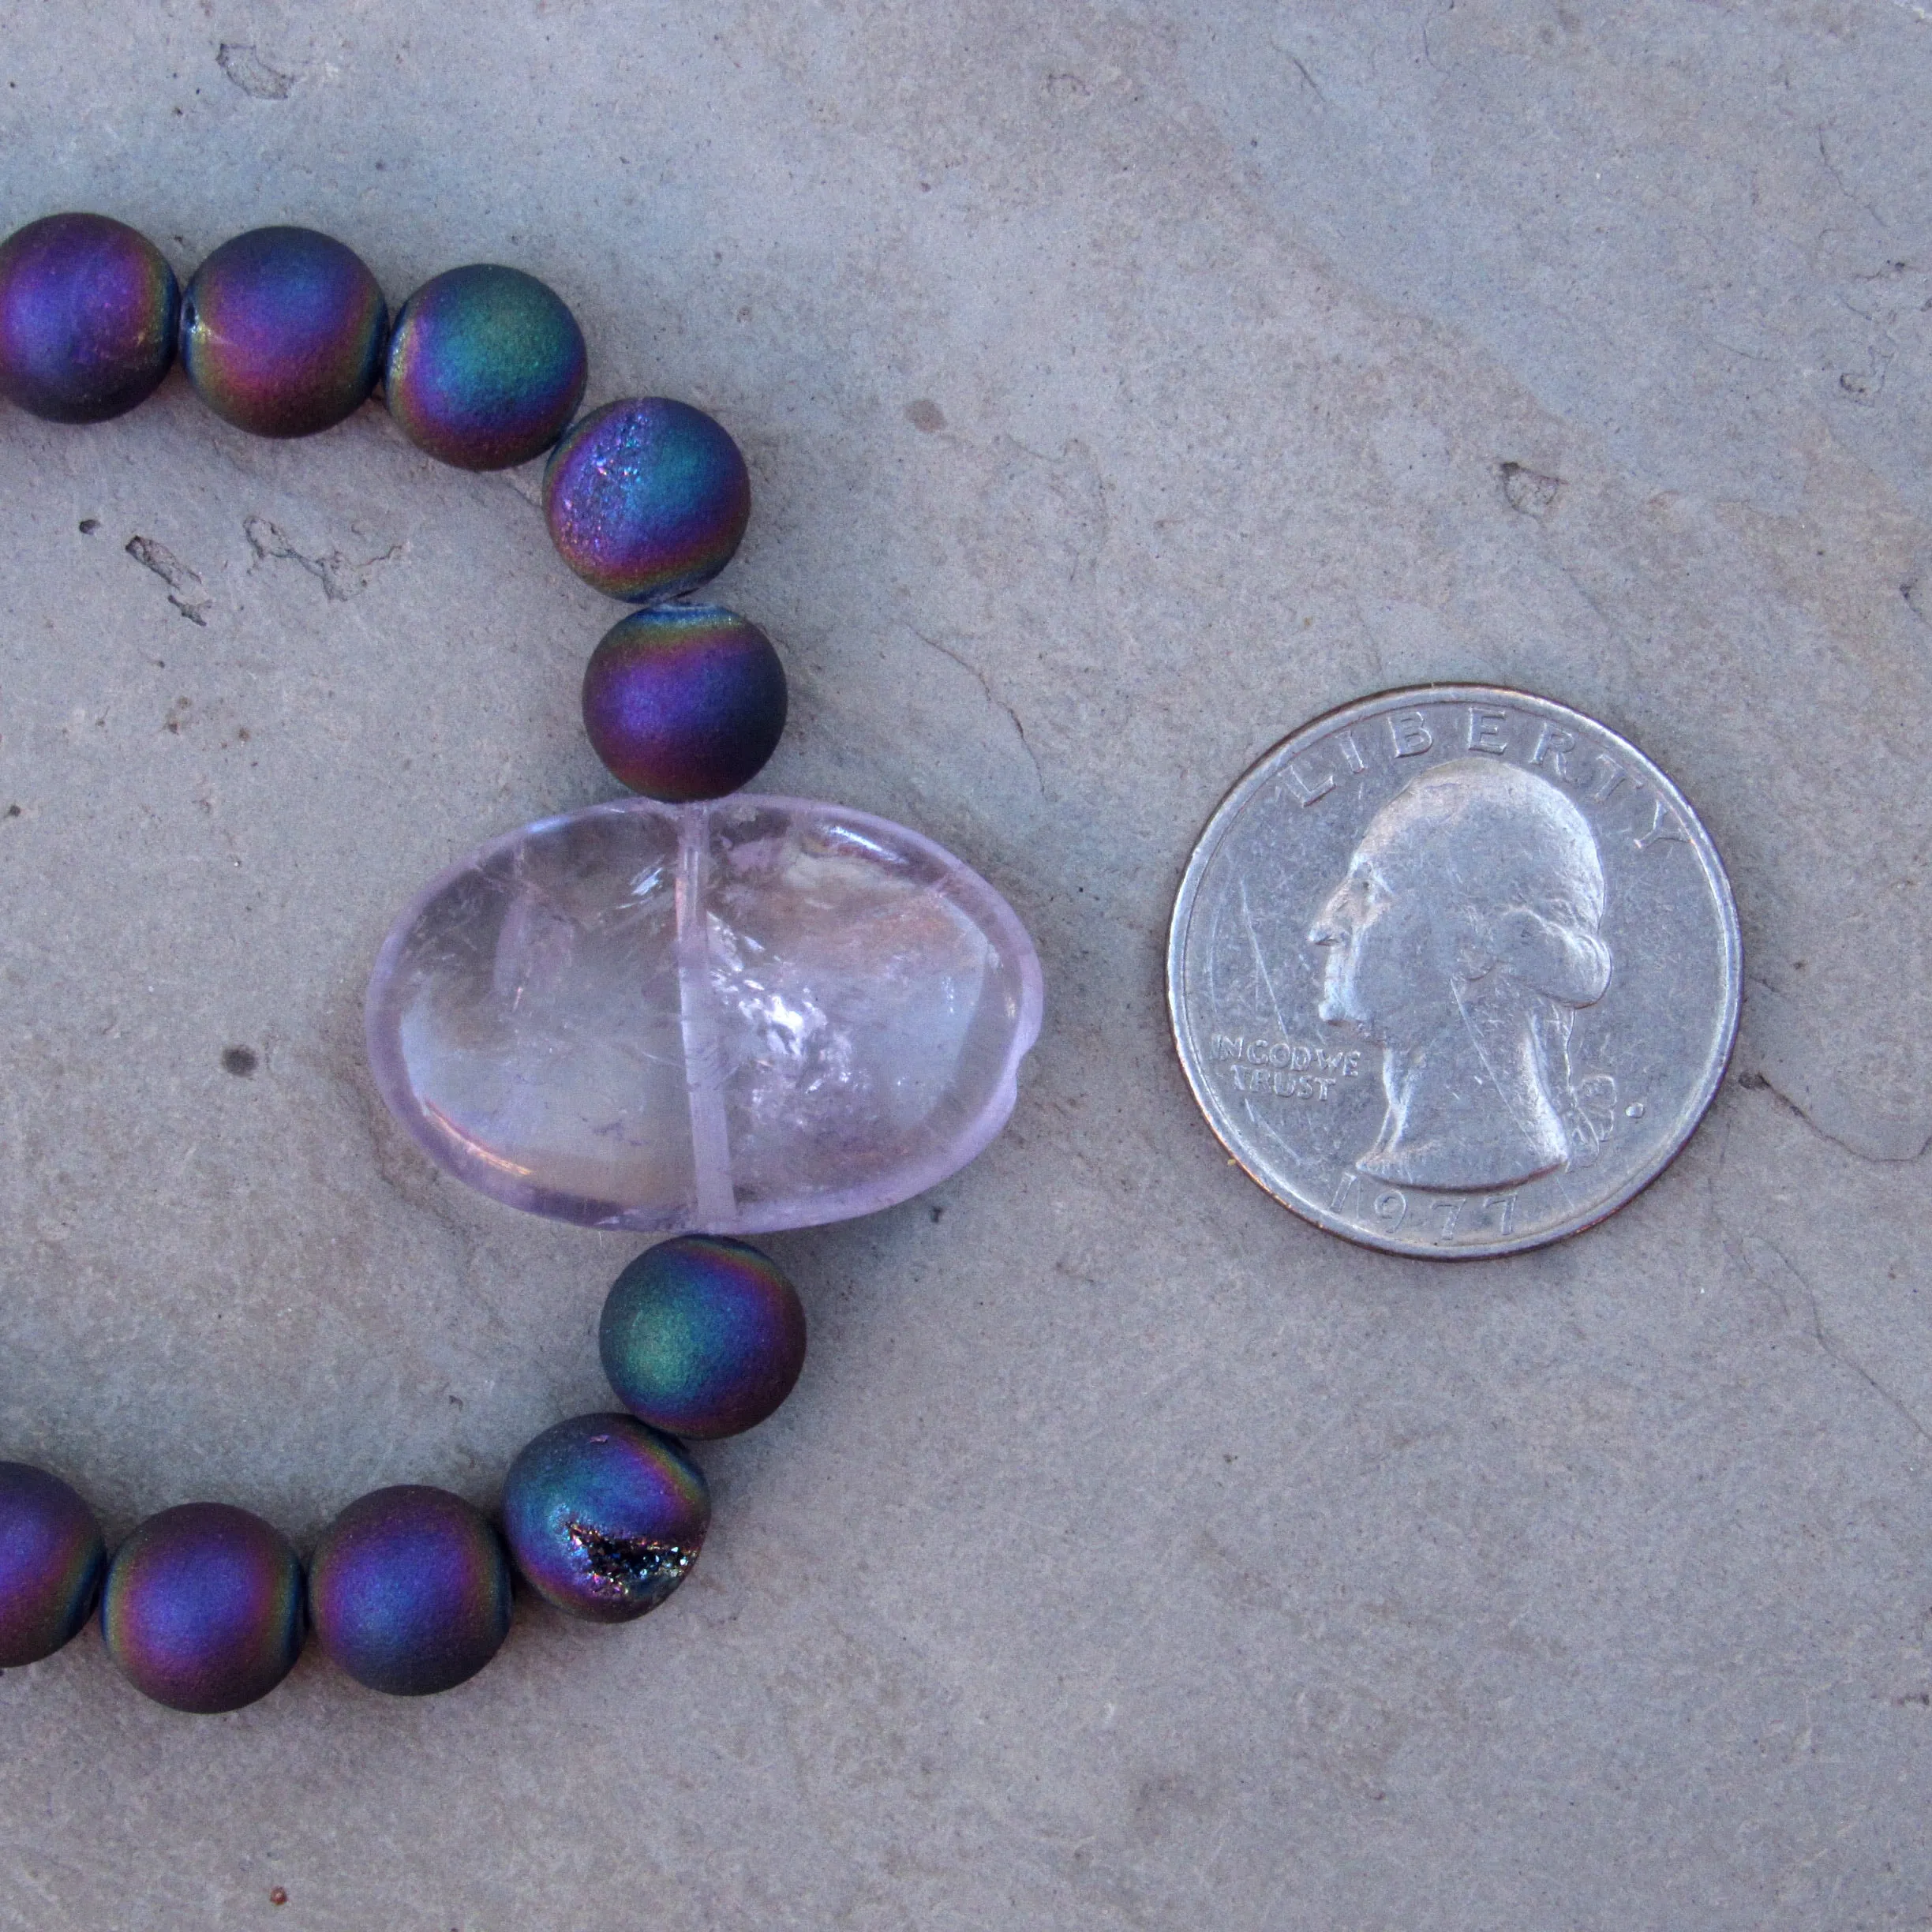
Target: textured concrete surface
[[1122, 385]]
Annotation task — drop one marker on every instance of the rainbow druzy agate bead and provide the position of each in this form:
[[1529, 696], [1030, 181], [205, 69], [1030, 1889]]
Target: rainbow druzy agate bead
[[702, 1336], [203, 1607], [88, 309], [283, 332], [684, 702], [605, 1516], [51, 1558], [486, 366], [647, 498], [408, 1590]]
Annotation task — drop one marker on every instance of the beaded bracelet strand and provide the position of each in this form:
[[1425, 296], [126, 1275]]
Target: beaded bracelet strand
[[284, 332]]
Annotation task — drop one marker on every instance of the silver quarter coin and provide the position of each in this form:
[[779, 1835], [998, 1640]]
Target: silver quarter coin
[[1454, 971]]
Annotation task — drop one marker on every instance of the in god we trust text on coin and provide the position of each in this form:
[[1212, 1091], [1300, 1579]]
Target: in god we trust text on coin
[[1454, 971]]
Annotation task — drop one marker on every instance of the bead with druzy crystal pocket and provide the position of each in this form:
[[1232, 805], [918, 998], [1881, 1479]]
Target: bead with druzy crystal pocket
[[647, 498], [605, 1516]]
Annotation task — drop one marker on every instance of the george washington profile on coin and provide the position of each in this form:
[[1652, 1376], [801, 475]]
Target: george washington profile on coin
[[1463, 941]]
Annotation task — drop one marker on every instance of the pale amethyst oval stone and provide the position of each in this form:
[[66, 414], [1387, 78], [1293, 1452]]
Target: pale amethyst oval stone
[[755, 1013]]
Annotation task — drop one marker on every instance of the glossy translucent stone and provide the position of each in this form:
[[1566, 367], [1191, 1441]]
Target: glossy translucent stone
[[749, 1014]]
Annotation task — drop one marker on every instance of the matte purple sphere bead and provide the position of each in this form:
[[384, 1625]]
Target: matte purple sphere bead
[[684, 702], [702, 1336], [87, 309], [283, 332], [646, 499], [408, 1590], [51, 1558], [203, 1607]]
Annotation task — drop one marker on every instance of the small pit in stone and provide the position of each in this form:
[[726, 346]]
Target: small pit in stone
[[1528, 491], [240, 1061]]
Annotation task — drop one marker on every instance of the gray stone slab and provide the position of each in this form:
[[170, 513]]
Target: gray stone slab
[[1123, 385]]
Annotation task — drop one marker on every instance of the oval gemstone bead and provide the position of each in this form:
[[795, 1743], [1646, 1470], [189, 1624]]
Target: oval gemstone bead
[[730, 1018]]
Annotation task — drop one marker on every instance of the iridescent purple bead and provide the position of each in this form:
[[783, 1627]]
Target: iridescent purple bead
[[702, 1336], [485, 367], [87, 310], [408, 1590], [203, 1607], [647, 498], [605, 1516], [283, 332], [684, 702], [51, 1557]]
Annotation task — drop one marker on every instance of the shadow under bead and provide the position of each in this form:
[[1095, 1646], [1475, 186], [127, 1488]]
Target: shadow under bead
[[684, 702], [408, 1590], [87, 316], [486, 367], [51, 1558], [647, 498], [605, 1516], [283, 332], [203, 1607], [702, 1336]]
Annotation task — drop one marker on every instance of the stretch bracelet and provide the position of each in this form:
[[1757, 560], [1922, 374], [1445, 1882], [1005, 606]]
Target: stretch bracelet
[[681, 1012]]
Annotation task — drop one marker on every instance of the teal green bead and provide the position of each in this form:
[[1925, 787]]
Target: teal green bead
[[702, 1336], [486, 367]]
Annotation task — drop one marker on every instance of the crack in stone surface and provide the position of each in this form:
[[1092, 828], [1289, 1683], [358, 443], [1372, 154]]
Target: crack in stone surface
[[1757, 1081], [176, 575], [992, 697], [1834, 1350], [341, 577]]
